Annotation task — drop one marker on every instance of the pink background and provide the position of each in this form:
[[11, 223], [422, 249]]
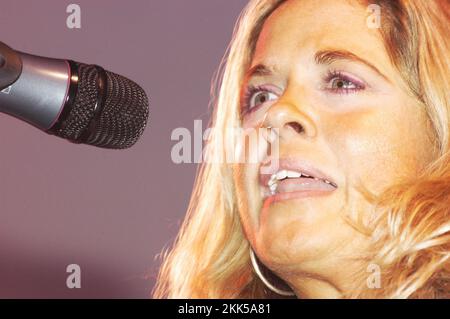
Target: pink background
[[111, 212]]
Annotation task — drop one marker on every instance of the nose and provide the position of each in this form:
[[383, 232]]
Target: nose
[[290, 120]]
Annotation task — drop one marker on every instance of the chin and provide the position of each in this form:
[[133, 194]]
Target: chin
[[285, 241]]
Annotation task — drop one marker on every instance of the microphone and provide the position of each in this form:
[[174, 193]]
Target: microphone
[[75, 101]]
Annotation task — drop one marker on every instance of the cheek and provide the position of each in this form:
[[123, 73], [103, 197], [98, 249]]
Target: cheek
[[377, 148], [248, 201]]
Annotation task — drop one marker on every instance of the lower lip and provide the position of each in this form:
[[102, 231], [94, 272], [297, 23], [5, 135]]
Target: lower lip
[[311, 191]]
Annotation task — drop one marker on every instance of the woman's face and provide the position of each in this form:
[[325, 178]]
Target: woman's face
[[324, 81]]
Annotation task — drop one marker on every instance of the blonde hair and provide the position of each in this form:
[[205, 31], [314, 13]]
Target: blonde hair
[[210, 256]]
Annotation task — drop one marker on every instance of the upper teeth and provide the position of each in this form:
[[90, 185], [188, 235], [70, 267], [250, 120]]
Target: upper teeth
[[274, 178]]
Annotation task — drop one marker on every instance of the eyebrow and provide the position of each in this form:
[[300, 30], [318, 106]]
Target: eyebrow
[[330, 56], [259, 70], [321, 57]]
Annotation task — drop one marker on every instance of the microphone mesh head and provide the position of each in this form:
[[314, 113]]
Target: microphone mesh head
[[117, 125]]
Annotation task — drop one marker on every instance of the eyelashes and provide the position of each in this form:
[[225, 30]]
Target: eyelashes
[[334, 82], [251, 93], [338, 82]]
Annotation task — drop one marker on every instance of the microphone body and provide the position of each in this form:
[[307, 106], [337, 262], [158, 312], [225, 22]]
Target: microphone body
[[39, 94], [79, 102]]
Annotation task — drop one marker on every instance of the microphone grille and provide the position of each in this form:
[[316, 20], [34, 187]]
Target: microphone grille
[[120, 121]]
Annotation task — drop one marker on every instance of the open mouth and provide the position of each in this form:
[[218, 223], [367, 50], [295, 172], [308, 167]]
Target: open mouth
[[296, 177], [280, 181]]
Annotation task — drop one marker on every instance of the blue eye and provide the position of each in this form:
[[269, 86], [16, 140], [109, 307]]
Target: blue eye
[[338, 82], [260, 97], [255, 96]]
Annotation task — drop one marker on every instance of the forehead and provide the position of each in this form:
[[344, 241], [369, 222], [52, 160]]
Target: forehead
[[300, 26]]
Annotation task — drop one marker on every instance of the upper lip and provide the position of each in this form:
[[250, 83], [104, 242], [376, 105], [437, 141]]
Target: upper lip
[[292, 164]]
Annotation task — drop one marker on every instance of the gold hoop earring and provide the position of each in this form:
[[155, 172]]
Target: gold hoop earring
[[264, 280]]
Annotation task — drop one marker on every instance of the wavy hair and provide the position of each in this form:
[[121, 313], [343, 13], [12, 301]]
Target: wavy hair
[[411, 232]]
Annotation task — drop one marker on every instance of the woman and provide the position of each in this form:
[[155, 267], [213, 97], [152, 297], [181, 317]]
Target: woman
[[358, 203]]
